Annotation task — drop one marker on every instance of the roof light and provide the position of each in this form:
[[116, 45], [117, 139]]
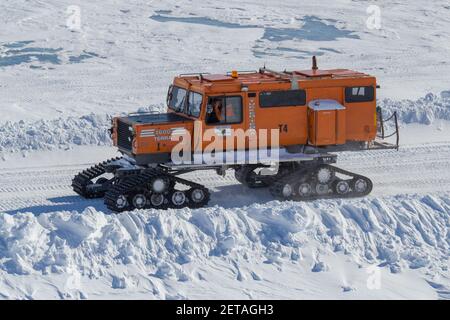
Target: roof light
[[234, 74]]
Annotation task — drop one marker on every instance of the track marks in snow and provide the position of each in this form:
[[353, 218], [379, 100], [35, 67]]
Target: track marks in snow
[[413, 169]]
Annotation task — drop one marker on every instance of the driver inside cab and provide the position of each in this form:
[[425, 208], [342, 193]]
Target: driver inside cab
[[219, 114]]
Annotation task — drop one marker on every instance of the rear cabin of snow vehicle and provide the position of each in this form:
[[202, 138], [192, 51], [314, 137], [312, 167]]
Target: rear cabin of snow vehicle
[[316, 113]]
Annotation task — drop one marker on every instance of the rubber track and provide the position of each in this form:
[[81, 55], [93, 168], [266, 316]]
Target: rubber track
[[134, 182], [84, 178], [304, 174]]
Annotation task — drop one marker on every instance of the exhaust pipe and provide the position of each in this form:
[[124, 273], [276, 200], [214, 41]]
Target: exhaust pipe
[[314, 63]]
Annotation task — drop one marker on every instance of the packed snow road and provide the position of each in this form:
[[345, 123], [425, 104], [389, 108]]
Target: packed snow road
[[421, 168]]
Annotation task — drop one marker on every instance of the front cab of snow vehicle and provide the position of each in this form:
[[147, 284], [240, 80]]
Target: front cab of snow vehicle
[[148, 138], [316, 113]]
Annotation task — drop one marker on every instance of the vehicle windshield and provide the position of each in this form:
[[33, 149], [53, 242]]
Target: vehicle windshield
[[176, 101]]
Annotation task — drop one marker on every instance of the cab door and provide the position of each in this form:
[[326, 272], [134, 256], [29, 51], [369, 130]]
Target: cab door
[[224, 114]]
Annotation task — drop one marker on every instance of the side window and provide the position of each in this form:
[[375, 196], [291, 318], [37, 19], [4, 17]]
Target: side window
[[283, 98], [224, 110], [359, 94], [233, 109], [194, 104]]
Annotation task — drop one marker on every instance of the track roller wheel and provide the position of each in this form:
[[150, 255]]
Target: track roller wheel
[[178, 199], [304, 190], [361, 186], [157, 200], [198, 197], [139, 200], [342, 187], [121, 203], [322, 189]]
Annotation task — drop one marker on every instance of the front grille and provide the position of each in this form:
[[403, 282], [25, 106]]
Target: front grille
[[124, 135]]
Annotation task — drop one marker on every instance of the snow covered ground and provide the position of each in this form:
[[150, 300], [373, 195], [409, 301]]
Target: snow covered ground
[[59, 87], [125, 53]]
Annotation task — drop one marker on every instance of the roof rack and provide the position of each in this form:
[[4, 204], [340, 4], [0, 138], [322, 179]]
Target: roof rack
[[198, 74], [285, 75], [243, 71]]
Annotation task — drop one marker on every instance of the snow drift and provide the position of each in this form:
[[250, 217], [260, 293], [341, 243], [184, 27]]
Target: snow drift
[[424, 110], [60, 133], [398, 233]]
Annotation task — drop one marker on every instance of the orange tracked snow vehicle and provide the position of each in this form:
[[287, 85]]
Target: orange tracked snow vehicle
[[315, 113]]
